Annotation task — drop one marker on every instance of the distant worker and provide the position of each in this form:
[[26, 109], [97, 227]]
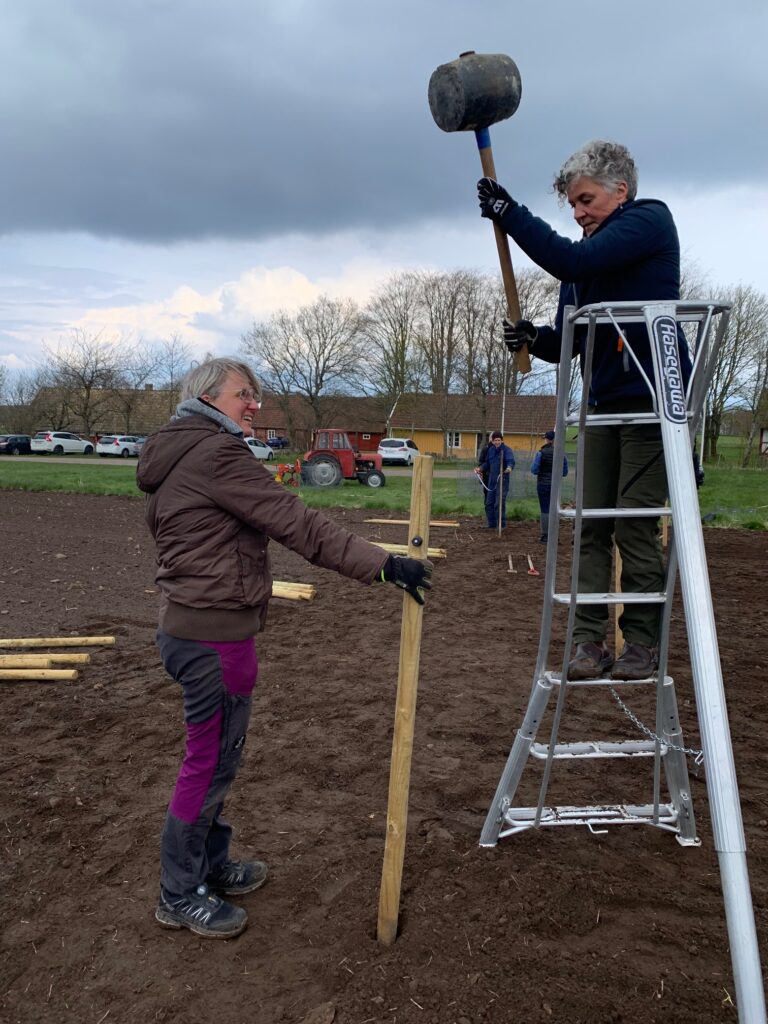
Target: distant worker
[[498, 464], [541, 467], [482, 456]]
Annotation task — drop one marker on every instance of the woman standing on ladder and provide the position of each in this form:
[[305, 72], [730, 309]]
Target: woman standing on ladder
[[629, 251]]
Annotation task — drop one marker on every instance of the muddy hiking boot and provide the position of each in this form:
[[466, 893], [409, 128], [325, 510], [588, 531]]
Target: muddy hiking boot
[[236, 877], [590, 661], [636, 662], [203, 913]]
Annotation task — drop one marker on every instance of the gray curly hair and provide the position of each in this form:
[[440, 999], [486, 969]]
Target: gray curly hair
[[606, 162], [208, 378]]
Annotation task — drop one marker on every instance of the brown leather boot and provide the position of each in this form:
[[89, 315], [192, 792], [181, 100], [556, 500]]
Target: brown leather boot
[[590, 661], [636, 662]]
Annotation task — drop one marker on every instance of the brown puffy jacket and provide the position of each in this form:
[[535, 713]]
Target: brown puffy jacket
[[212, 509]]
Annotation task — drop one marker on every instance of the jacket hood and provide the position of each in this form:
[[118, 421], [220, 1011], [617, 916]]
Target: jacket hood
[[194, 421], [165, 449]]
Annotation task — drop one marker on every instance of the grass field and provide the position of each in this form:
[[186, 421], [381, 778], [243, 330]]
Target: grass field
[[730, 497]]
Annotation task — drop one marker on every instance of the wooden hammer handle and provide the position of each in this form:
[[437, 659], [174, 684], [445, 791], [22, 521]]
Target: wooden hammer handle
[[505, 260]]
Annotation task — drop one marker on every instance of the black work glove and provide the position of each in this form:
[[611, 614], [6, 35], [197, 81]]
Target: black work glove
[[494, 199], [518, 334], [413, 575]]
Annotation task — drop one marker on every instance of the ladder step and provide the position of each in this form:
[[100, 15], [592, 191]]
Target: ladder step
[[520, 818], [553, 679], [653, 597], [617, 513], [614, 419], [597, 748]]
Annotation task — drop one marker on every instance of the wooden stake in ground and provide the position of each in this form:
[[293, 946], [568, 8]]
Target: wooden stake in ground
[[405, 712], [618, 610]]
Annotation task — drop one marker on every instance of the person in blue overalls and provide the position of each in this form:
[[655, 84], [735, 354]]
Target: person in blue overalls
[[498, 464], [541, 467]]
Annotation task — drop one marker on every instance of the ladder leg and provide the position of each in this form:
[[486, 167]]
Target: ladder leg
[[745, 957], [676, 768], [727, 826], [516, 761]]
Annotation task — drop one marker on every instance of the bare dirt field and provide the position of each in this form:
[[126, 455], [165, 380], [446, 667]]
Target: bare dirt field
[[560, 925]]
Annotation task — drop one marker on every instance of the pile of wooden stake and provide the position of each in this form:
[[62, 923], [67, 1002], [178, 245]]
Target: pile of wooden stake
[[47, 665]]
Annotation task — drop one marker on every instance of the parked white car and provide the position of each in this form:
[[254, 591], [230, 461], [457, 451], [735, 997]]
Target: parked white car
[[122, 446], [260, 448], [60, 442], [398, 449]]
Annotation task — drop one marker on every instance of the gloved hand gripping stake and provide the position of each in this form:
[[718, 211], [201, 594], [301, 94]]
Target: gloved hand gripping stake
[[470, 94]]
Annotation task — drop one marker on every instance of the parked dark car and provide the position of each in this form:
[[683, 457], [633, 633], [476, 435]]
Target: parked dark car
[[15, 444], [278, 442]]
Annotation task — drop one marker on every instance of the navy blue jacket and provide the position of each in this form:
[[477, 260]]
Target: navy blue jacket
[[542, 465], [496, 461], [633, 254]]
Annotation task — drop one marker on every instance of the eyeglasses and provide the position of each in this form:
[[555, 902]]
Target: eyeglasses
[[247, 395]]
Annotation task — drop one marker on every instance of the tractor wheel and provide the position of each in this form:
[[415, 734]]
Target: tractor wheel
[[375, 478], [323, 471]]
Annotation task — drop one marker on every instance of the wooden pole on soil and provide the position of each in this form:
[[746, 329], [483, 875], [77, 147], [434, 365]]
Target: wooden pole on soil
[[60, 641], [38, 673], [47, 660], [405, 711]]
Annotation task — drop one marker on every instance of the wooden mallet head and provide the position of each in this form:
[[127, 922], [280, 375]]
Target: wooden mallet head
[[474, 91]]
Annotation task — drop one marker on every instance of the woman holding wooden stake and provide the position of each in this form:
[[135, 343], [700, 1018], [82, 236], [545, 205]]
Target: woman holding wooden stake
[[212, 510]]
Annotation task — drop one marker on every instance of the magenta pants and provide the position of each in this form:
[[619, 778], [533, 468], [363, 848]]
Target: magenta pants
[[217, 679]]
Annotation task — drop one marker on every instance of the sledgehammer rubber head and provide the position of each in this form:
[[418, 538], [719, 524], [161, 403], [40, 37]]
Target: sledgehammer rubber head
[[474, 91]]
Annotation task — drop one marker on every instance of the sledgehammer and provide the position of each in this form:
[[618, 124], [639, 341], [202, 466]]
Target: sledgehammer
[[471, 94]]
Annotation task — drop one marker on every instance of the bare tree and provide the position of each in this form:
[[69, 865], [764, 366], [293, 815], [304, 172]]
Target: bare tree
[[174, 360], [538, 293], [477, 313], [388, 330], [746, 333], [312, 352], [137, 367], [439, 326], [23, 411], [754, 389], [82, 375]]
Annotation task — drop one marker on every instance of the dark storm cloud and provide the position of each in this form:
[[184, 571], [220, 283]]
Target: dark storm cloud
[[162, 120]]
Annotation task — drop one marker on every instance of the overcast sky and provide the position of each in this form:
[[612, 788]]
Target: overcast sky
[[188, 166]]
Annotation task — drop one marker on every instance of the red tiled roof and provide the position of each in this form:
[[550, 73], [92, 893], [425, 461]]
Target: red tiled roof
[[523, 414]]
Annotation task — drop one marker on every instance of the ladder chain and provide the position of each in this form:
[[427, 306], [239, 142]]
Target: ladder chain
[[698, 755]]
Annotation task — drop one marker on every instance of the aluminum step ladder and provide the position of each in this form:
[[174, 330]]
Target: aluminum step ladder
[[678, 412]]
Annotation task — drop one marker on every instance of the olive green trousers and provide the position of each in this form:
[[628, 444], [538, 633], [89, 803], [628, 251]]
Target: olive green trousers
[[623, 468]]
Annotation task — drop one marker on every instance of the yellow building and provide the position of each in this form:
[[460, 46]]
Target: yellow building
[[456, 426]]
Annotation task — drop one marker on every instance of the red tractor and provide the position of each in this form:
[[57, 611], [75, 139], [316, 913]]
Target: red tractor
[[332, 459]]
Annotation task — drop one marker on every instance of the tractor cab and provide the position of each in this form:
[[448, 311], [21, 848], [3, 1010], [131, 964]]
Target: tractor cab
[[332, 459]]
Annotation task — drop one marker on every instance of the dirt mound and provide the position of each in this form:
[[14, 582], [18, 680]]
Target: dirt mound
[[561, 926]]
